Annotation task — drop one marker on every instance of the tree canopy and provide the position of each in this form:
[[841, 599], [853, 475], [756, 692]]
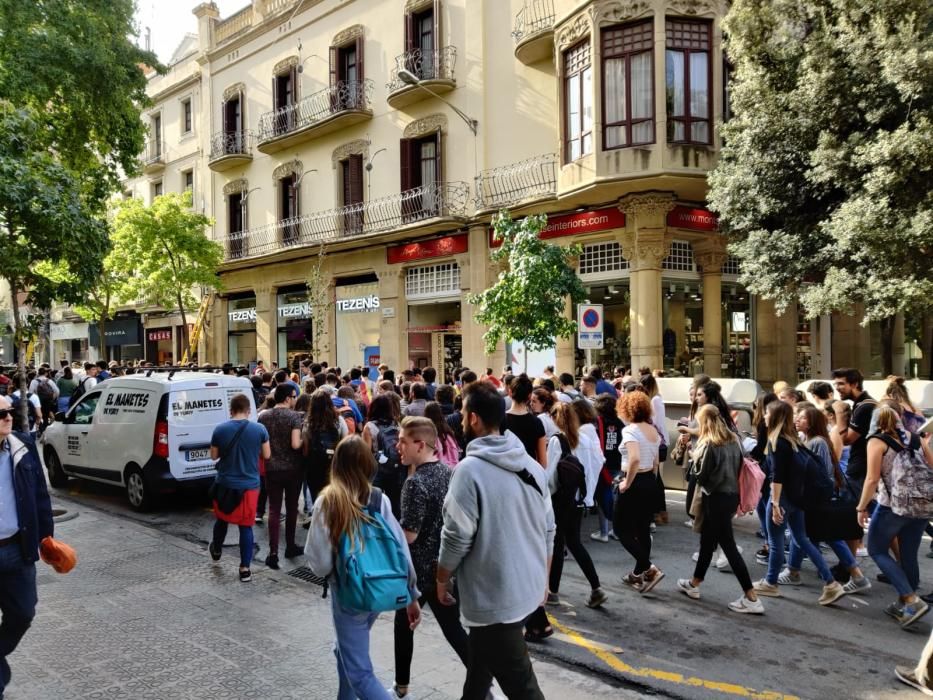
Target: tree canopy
[[162, 252], [527, 301], [825, 180]]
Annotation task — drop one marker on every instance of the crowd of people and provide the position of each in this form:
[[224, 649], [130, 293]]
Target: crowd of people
[[538, 454]]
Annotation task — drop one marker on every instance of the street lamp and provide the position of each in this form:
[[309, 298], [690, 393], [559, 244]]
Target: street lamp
[[409, 78]]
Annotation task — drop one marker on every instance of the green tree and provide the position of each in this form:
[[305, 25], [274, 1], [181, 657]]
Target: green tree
[[100, 303], [163, 253], [527, 301], [824, 181], [52, 242], [320, 302], [75, 65]]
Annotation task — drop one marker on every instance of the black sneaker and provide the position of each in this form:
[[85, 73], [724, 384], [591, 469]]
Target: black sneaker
[[246, 575], [215, 553], [272, 561], [883, 578], [292, 552], [259, 519]]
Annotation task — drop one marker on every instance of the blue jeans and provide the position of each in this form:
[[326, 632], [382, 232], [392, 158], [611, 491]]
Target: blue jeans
[[18, 600], [839, 547], [246, 540], [354, 667], [885, 526], [794, 519]]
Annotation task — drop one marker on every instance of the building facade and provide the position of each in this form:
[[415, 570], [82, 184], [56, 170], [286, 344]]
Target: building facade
[[365, 145]]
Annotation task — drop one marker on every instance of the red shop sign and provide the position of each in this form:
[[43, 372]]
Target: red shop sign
[[423, 250], [578, 222], [693, 219], [155, 336]]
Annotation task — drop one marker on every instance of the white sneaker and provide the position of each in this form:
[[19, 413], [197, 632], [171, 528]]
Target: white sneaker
[[653, 527], [789, 578], [688, 588], [763, 588], [744, 605], [613, 535], [599, 537], [861, 586], [688, 523], [861, 552], [696, 556]]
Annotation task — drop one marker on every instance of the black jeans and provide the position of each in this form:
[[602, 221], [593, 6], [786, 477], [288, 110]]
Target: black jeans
[[691, 489], [447, 616], [391, 483], [718, 511], [569, 520], [18, 600], [661, 504], [632, 518], [500, 652]]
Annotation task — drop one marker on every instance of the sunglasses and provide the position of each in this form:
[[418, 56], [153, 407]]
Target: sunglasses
[[5, 413]]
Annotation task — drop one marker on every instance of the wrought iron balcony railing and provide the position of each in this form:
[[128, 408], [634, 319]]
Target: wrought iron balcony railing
[[315, 108], [535, 16], [153, 153], [424, 65], [440, 200], [510, 184], [231, 143]]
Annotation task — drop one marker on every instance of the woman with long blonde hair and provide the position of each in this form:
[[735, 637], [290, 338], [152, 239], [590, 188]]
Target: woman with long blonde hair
[[716, 466], [339, 511]]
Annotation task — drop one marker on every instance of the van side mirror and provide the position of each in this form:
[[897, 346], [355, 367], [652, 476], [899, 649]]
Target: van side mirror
[[60, 417]]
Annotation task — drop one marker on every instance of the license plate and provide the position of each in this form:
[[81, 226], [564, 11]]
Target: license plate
[[197, 455]]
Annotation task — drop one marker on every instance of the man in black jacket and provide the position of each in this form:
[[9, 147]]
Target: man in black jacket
[[25, 520]]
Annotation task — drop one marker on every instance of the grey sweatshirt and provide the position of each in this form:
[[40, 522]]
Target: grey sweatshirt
[[498, 532], [321, 555]]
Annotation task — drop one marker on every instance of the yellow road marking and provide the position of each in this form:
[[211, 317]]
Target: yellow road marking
[[599, 650]]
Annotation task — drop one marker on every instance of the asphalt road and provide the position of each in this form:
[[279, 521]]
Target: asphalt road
[[663, 643]]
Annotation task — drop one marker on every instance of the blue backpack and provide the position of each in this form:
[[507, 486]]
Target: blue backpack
[[372, 575]]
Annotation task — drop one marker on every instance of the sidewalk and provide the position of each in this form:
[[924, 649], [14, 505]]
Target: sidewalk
[[148, 615]]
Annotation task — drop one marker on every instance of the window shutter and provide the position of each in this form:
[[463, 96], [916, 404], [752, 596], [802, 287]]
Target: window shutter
[[359, 62], [356, 178], [438, 42], [404, 149], [275, 92], [333, 66], [409, 32], [240, 112], [438, 169]]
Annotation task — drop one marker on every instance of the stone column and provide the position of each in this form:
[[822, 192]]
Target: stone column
[[266, 327], [646, 214], [393, 333], [776, 341], [627, 246], [476, 277], [215, 334], [710, 255]]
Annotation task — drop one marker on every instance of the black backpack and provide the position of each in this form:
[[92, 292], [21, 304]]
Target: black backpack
[[571, 477], [320, 454], [46, 393], [813, 486], [388, 459], [79, 391], [30, 413]]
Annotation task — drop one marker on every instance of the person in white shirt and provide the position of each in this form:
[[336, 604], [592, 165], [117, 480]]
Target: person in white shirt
[[541, 403], [568, 508]]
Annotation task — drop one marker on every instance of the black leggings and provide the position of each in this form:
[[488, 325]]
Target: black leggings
[[447, 616], [718, 511], [569, 519], [632, 518]]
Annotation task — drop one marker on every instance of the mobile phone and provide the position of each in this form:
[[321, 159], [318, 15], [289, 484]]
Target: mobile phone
[[927, 427]]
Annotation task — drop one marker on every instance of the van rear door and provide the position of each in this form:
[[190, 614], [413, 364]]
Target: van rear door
[[192, 416]]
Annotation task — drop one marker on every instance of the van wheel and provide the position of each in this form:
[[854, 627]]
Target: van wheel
[[53, 465], [136, 490]]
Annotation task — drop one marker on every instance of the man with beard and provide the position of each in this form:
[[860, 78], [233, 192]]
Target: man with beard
[[501, 552]]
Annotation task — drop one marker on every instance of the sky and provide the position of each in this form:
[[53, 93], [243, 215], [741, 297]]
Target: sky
[[170, 20]]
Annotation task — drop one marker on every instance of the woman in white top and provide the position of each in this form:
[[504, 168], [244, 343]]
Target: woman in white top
[[591, 453], [659, 420], [568, 508], [542, 401], [637, 489]]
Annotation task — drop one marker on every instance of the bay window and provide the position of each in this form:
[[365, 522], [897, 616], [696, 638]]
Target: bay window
[[688, 78], [628, 78], [578, 102]]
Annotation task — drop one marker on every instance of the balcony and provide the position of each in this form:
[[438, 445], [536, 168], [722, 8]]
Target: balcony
[[534, 31], [519, 183], [153, 157], [430, 207], [433, 69], [230, 149], [322, 112]]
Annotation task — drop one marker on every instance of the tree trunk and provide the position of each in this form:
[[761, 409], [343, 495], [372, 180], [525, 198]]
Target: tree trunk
[[19, 342], [887, 346], [184, 329], [926, 347], [102, 339]]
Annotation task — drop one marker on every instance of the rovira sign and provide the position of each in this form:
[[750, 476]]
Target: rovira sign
[[590, 326]]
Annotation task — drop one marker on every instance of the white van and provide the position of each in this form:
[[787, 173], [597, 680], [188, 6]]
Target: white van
[[150, 433]]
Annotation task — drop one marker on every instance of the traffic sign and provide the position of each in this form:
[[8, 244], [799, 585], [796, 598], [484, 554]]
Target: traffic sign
[[590, 326]]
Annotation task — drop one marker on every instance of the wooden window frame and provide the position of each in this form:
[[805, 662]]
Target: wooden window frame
[[351, 191], [565, 115], [412, 37], [187, 116], [628, 122], [409, 159], [335, 62], [688, 120]]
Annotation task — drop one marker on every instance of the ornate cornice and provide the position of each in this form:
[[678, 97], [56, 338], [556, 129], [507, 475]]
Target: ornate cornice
[[285, 65], [426, 125], [618, 11], [647, 204], [358, 147], [711, 255], [233, 91], [571, 33], [415, 5], [695, 7], [292, 167], [348, 35], [650, 251], [262, 289], [239, 185]]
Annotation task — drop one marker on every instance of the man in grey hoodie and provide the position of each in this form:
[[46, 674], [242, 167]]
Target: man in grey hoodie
[[500, 552]]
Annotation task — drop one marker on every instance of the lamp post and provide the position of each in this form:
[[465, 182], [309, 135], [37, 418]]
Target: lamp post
[[409, 78]]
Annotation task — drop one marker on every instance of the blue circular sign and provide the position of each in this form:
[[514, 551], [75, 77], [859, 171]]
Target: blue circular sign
[[591, 318]]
